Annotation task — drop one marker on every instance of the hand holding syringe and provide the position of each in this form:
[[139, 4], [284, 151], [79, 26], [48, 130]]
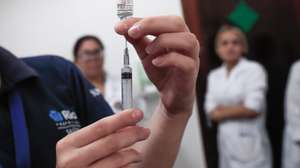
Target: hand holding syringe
[[125, 10]]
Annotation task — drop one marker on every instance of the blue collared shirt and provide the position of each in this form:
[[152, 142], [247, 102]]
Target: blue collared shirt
[[57, 101]]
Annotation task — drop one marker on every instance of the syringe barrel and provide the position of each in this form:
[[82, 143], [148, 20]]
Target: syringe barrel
[[127, 98]]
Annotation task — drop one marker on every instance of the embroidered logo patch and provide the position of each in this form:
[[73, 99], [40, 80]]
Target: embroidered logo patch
[[65, 120], [56, 116]]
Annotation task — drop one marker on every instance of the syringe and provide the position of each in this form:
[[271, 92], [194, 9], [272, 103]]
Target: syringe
[[125, 10], [127, 102]]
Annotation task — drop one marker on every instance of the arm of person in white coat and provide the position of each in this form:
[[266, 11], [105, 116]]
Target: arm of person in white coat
[[293, 102], [210, 103], [254, 102]]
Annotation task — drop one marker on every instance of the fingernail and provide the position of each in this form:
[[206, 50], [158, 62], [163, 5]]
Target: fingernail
[[134, 31], [156, 61], [137, 114]]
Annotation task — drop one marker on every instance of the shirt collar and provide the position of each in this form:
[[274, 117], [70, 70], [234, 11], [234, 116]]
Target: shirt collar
[[13, 70], [242, 60]]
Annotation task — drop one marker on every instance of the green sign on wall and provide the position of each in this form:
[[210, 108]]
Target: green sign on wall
[[243, 16]]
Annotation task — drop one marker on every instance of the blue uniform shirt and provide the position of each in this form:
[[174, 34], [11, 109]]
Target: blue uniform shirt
[[57, 101]]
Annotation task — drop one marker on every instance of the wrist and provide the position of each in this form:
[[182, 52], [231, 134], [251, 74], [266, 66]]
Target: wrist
[[169, 115], [164, 121], [217, 116]]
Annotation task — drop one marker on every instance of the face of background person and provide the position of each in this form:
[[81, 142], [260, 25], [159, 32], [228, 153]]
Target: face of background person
[[230, 47], [90, 59]]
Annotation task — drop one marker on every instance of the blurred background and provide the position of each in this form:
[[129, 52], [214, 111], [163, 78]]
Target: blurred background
[[272, 28], [36, 27]]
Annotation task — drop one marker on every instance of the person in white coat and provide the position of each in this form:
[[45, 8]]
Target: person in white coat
[[291, 145], [89, 56], [235, 99]]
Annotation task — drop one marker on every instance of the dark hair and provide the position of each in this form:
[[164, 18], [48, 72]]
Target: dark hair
[[81, 40]]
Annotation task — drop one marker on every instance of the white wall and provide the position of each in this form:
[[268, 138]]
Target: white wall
[[33, 27]]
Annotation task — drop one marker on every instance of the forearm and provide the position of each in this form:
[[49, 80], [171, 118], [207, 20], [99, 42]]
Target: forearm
[[161, 149], [174, 73], [233, 112]]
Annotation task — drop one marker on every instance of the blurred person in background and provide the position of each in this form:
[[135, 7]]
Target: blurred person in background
[[235, 99], [291, 147], [89, 57]]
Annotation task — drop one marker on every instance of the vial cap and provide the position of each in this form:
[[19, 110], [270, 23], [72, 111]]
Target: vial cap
[[125, 8]]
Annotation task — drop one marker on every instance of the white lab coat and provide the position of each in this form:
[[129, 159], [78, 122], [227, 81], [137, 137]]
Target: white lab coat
[[242, 143], [291, 150]]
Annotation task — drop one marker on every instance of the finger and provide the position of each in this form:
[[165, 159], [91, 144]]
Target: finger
[[103, 128], [186, 43], [124, 25], [130, 166], [137, 28], [173, 59], [111, 144], [125, 129], [140, 46], [119, 159]]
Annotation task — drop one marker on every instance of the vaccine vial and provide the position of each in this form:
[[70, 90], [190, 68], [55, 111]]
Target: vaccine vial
[[125, 8]]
